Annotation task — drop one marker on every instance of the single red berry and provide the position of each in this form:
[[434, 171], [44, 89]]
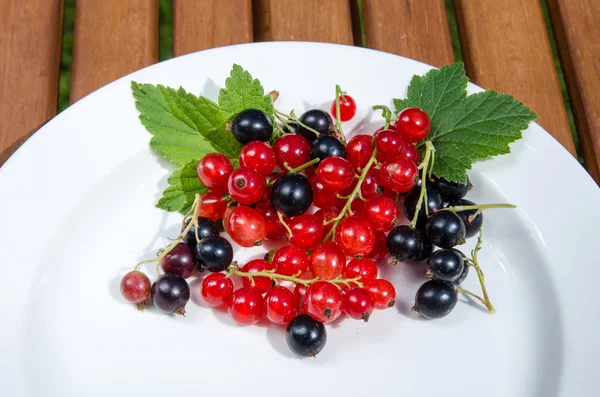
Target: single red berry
[[280, 304], [261, 283], [410, 152], [399, 175], [136, 288], [212, 206], [275, 229], [290, 261], [355, 236], [326, 215], [217, 289], [364, 268], [258, 156], [359, 150], [389, 144], [307, 231], [335, 173], [382, 292], [371, 186], [226, 217], [246, 186], [246, 226], [181, 260], [214, 170], [347, 108], [380, 250], [322, 197], [324, 301], [382, 213], [413, 124], [246, 306], [292, 149], [327, 261], [358, 304]]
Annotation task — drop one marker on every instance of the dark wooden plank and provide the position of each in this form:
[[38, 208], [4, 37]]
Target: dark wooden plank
[[506, 47], [202, 24], [577, 27], [414, 29], [30, 39], [111, 39], [306, 20]]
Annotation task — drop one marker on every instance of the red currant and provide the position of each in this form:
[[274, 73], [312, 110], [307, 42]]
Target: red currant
[[290, 261], [214, 170], [299, 293], [335, 173], [410, 152], [275, 229], [359, 150], [371, 185], [246, 306], [258, 156], [380, 250], [382, 292], [280, 304], [181, 260], [341, 202], [324, 301], [327, 214], [212, 206], [358, 304], [291, 149], [322, 197], [217, 289], [347, 108], [382, 213], [399, 175], [135, 288], [261, 283], [364, 268], [389, 144], [327, 261], [413, 124], [355, 236], [246, 186], [246, 226], [307, 231]]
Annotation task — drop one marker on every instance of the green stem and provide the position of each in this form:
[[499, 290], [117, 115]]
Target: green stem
[[293, 117], [234, 270], [478, 207], [285, 225], [339, 94], [475, 263], [386, 114], [429, 154], [301, 167]]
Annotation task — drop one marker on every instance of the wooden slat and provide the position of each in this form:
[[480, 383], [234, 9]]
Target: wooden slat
[[202, 24], [111, 39], [305, 20], [414, 29], [30, 38], [506, 47], [577, 27]]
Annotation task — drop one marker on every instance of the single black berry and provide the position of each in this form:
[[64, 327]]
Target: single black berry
[[252, 125], [472, 226], [214, 253], [451, 191], [435, 299], [445, 229], [170, 293], [434, 203], [445, 265], [292, 195], [316, 119], [327, 146], [305, 336], [206, 228], [405, 243]]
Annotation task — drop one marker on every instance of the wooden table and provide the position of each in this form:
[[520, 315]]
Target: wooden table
[[504, 43]]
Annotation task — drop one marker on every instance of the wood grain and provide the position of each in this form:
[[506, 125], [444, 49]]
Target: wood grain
[[111, 39], [506, 48], [30, 38], [577, 27], [416, 29], [307, 20], [202, 24]]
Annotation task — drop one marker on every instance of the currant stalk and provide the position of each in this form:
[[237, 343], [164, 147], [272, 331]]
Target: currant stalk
[[386, 114], [424, 167], [338, 121], [475, 264]]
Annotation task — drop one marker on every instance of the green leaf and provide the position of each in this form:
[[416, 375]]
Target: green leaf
[[184, 185], [243, 92]]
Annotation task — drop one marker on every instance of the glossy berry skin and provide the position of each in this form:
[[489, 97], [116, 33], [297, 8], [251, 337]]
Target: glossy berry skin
[[181, 260], [327, 146], [292, 149], [382, 213], [252, 125], [363, 268], [212, 206], [359, 150], [445, 265], [355, 236], [260, 283], [135, 288], [170, 293], [217, 289], [435, 299], [445, 229], [382, 292], [410, 152], [434, 203], [214, 170], [307, 231], [327, 261], [389, 144], [404, 243], [305, 336], [399, 175], [322, 197], [358, 304], [379, 251], [371, 186], [292, 195], [465, 272], [246, 226], [206, 228], [451, 191], [246, 306], [316, 119], [280, 305], [472, 226], [246, 186], [347, 108], [290, 261], [275, 229], [413, 124], [427, 247], [214, 254], [258, 156], [324, 301], [335, 173]]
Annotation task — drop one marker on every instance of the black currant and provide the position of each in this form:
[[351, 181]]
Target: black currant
[[451, 191], [170, 293], [405, 243], [465, 272], [327, 146], [206, 228], [445, 229], [445, 265], [305, 336], [472, 226], [316, 119], [292, 195], [435, 299], [252, 125], [214, 253], [427, 248], [434, 203]]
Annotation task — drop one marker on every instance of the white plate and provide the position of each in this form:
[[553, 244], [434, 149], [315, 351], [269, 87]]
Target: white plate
[[77, 212]]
